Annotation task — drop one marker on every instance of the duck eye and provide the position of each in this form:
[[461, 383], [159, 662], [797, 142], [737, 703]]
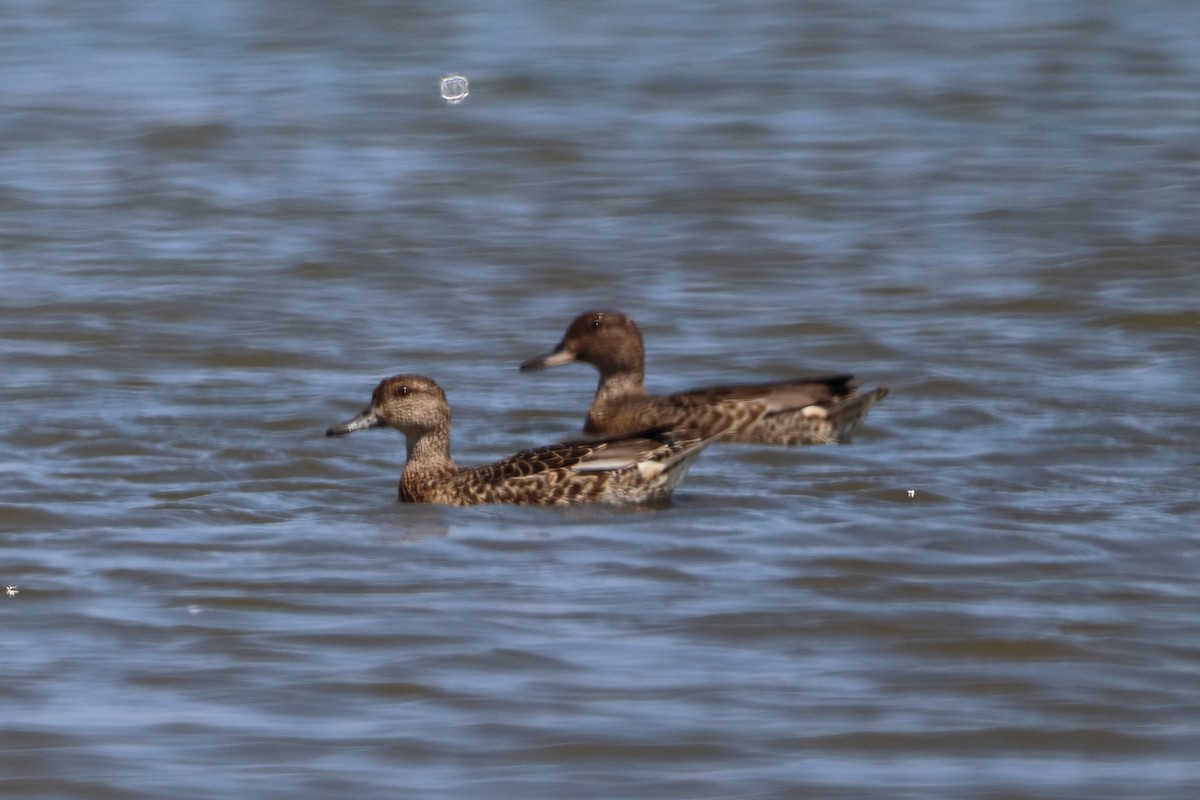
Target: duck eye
[[597, 321], [400, 391]]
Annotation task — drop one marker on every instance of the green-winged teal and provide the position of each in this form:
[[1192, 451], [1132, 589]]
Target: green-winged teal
[[823, 410], [635, 470]]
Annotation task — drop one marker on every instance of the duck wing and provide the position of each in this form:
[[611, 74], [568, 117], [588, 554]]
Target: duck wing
[[775, 396]]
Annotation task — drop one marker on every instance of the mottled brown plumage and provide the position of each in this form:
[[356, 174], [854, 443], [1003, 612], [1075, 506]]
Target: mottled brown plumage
[[636, 470], [823, 410]]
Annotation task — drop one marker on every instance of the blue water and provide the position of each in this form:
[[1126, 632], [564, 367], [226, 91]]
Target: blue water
[[222, 223]]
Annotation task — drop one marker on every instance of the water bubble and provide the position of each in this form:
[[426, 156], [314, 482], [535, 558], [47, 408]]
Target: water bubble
[[455, 89]]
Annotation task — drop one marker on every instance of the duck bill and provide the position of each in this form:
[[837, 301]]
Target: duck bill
[[367, 419], [556, 358]]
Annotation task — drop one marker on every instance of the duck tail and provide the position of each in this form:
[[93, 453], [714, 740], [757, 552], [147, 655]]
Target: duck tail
[[849, 415]]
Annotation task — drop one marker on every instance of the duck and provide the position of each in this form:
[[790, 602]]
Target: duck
[[819, 410], [636, 470]]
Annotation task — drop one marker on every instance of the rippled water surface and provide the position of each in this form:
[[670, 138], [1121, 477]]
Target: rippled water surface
[[221, 223]]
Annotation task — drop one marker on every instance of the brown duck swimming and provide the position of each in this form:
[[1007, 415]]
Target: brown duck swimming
[[823, 410], [636, 470]]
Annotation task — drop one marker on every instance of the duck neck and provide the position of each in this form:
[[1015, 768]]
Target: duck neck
[[618, 384], [428, 464], [613, 389]]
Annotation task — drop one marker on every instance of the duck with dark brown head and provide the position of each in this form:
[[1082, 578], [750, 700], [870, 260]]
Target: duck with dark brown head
[[823, 410]]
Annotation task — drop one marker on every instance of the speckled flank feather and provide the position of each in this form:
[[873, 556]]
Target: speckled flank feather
[[823, 410], [635, 470]]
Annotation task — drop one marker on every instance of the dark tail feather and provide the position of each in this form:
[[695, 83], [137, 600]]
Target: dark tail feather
[[849, 415]]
